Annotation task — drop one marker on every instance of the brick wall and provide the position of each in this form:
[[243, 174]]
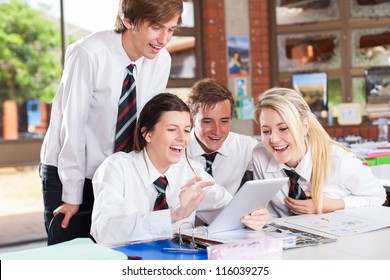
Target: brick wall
[[214, 40], [214, 44], [258, 15]]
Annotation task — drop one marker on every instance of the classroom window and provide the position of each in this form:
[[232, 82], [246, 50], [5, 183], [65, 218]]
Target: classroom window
[[369, 8], [185, 48], [371, 47], [341, 38], [309, 51], [300, 11]]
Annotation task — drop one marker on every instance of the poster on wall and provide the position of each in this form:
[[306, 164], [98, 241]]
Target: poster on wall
[[243, 109], [240, 87], [239, 59]]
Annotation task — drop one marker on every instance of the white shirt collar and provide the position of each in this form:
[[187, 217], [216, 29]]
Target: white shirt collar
[[153, 172], [304, 167]]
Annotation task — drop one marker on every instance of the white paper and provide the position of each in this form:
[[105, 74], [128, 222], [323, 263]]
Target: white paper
[[347, 222]]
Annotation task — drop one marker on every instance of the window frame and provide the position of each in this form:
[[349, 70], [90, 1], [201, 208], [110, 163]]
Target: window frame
[[344, 25], [196, 32]]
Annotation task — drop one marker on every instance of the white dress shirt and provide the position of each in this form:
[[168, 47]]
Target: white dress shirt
[[349, 179], [125, 196], [83, 119], [233, 159]]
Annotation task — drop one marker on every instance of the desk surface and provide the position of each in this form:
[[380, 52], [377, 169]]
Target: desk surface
[[374, 245]]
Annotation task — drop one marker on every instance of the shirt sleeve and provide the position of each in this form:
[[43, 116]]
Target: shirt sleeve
[[365, 189], [77, 87], [119, 217]]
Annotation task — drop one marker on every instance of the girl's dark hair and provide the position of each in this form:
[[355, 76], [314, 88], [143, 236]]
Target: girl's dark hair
[[151, 114]]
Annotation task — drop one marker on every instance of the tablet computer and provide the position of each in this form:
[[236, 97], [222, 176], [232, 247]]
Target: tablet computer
[[251, 196]]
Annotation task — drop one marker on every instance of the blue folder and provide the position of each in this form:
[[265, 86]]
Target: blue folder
[[154, 250]]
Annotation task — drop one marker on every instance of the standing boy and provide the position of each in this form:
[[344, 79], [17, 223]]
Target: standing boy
[[83, 128]]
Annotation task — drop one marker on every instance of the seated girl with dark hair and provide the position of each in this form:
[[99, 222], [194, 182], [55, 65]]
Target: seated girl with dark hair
[[149, 192]]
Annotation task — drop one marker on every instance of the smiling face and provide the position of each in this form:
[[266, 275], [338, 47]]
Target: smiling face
[[278, 139], [166, 142], [212, 126], [147, 40]]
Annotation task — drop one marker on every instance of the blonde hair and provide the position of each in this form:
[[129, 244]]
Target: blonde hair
[[294, 110]]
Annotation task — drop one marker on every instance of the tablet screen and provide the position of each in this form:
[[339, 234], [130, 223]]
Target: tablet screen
[[252, 195]]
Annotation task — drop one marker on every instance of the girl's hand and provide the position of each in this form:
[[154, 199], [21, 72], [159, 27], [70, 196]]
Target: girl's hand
[[257, 219], [300, 206], [190, 197], [307, 206]]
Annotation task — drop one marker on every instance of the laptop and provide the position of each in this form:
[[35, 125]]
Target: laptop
[[251, 196]]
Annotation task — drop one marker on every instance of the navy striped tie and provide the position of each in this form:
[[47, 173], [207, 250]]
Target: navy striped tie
[[161, 201], [295, 191], [209, 162], [127, 113]]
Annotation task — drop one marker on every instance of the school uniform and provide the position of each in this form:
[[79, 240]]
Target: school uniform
[[349, 179], [84, 114], [125, 197], [232, 160]]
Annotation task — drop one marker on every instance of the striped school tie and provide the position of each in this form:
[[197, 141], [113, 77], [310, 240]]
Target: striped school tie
[[161, 201], [127, 113], [209, 162], [295, 191]]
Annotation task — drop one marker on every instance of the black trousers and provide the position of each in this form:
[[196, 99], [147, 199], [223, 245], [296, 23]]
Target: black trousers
[[52, 193]]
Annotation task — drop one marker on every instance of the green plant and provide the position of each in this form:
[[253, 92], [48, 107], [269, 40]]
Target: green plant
[[29, 53]]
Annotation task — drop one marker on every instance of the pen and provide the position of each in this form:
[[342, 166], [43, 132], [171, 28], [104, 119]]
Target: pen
[[185, 250]]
